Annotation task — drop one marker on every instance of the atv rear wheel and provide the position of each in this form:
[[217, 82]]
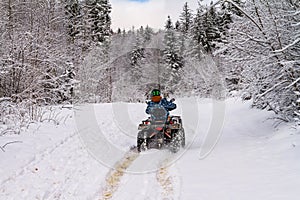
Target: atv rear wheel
[[175, 144]]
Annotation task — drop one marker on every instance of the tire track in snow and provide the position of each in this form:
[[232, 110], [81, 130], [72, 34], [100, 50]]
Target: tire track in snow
[[169, 181], [166, 178], [166, 182], [114, 176]]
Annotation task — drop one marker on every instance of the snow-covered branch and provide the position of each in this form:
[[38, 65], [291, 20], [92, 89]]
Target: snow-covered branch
[[270, 89], [293, 83], [3, 146], [245, 13], [288, 46]]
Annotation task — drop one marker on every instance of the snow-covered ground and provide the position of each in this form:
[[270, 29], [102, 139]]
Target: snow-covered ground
[[88, 156]]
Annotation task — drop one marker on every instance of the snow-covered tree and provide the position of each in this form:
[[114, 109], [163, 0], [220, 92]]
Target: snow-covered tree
[[74, 18], [197, 35], [172, 58], [136, 55], [211, 29], [148, 34], [183, 29], [36, 53], [99, 21], [264, 43], [185, 19]]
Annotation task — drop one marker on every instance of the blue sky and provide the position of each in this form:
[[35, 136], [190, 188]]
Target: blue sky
[[128, 13]]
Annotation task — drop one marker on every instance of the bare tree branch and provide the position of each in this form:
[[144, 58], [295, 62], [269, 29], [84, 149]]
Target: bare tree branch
[[3, 147]]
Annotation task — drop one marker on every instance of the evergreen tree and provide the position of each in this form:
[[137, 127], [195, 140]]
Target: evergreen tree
[[172, 58], [141, 35], [119, 31], [177, 25], [138, 50], [148, 34], [211, 32], [73, 13], [99, 20], [198, 37], [183, 28], [225, 17], [185, 19]]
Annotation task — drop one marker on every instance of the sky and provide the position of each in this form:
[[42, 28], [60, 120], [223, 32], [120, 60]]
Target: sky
[[128, 13]]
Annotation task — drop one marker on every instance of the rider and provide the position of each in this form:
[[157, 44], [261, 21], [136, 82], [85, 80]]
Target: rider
[[156, 100]]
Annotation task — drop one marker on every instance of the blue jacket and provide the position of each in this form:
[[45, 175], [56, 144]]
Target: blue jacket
[[164, 102]]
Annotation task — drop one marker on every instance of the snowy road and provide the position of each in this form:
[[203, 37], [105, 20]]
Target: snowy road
[[55, 173], [252, 160]]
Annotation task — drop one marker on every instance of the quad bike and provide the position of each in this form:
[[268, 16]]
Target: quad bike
[[161, 131]]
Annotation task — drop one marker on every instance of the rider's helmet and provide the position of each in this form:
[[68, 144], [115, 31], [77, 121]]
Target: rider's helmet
[[155, 95]]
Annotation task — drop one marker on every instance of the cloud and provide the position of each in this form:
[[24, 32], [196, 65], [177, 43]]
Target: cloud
[[128, 13]]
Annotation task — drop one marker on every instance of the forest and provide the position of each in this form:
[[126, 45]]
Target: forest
[[65, 52]]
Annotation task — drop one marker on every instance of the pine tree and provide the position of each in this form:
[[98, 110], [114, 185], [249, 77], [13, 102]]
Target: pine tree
[[226, 15], [211, 31], [99, 20], [141, 35], [138, 50], [73, 13], [148, 34], [225, 18], [183, 29], [119, 32], [177, 25], [171, 54], [185, 19], [198, 37]]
